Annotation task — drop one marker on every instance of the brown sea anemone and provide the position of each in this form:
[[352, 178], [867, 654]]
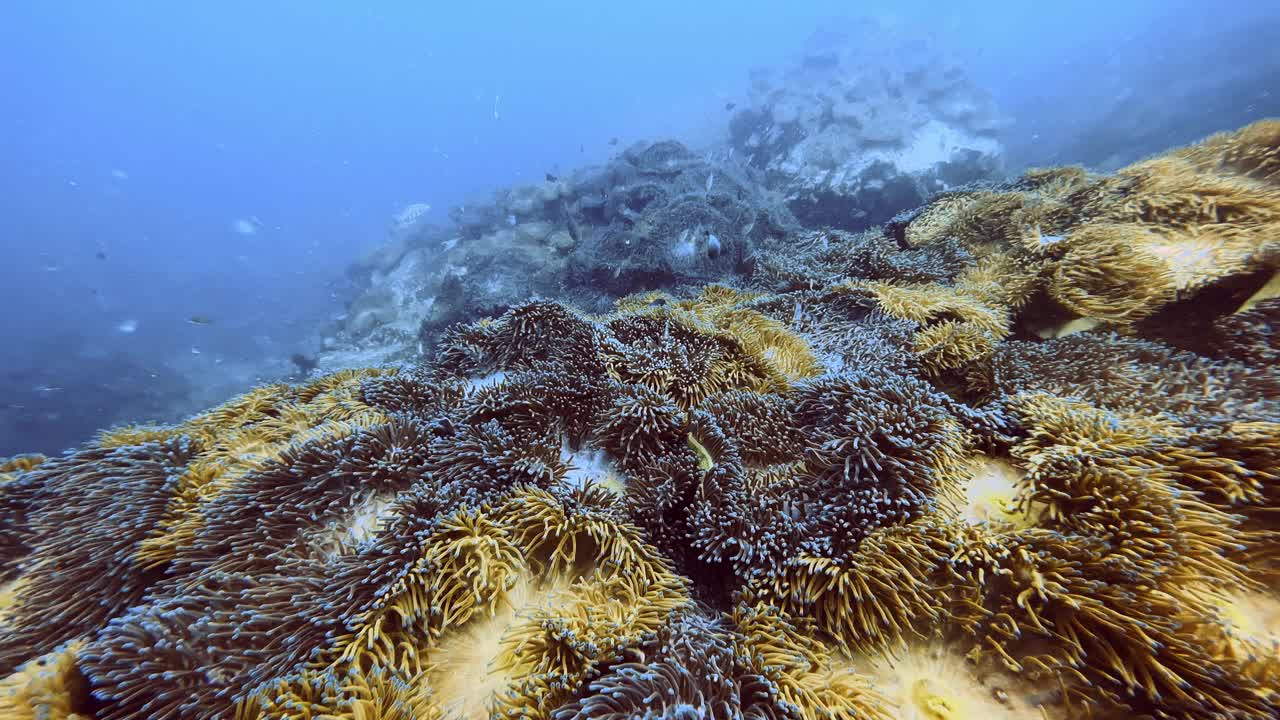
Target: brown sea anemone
[[87, 518], [808, 679]]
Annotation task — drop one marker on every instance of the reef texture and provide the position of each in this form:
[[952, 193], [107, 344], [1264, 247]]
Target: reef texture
[[840, 140], [657, 216], [972, 464], [850, 140]]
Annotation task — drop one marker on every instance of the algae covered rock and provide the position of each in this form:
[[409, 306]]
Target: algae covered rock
[[657, 215], [865, 124]]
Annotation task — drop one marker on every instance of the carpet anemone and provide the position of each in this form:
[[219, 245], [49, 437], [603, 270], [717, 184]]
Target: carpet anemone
[[677, 354], [1013, 455], [353, 694], [808, 679], [1250, 335], [50, 687], [932, 679], [1118, 249], [85, 519], [511, 610]]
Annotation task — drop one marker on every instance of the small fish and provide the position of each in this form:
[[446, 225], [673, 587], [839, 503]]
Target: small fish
[[52, 268], [243, 226], [46, 389], [304, 363], [613, 141], [713, 246], [119, 174], [128, 327], [551, 178], [711, 181], [195, 350], [730, 105], [100, 255], [511, 220], [200, 320]]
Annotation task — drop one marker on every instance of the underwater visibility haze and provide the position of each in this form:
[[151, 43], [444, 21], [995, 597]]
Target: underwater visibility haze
[[590, 361]]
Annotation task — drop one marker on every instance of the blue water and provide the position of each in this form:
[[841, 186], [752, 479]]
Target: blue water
[[135, 133]]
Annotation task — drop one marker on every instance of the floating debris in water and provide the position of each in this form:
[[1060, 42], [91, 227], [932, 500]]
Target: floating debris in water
[[411, 214], [243, 226]]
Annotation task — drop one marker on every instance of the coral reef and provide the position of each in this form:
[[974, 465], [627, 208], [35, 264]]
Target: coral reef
[[656, 216], [964, 465], [843, 139], [864, 124]]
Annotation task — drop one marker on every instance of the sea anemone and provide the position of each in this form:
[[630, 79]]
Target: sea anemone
[[932, 679], [641, 424], [1250, 336], [875, 596], [87, 517], [807, 678], [49, 687], [691, 668], [195, 648], [960, 465], [377, 694], [676, 354]]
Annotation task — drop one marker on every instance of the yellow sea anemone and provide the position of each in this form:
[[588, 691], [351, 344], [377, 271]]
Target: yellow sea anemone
[[47, 688]]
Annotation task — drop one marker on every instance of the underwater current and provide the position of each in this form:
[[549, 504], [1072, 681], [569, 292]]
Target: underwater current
[[640, 360]]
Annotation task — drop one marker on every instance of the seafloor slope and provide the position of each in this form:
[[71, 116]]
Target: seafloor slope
[[1015, 455]]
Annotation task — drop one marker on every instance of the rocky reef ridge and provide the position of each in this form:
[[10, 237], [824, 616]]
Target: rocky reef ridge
[[850, 141], [839, 139]]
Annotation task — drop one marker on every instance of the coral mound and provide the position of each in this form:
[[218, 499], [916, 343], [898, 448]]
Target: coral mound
[[965, 465]]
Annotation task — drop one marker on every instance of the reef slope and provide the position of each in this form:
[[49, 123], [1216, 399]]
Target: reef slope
[[1015, 454]]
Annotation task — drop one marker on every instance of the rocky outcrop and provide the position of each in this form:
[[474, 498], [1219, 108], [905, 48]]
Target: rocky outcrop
[[840, 139], [850, 140], [657, 216]]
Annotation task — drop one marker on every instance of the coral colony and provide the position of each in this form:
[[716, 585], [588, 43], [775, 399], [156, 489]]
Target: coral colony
[[1015, 454]]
